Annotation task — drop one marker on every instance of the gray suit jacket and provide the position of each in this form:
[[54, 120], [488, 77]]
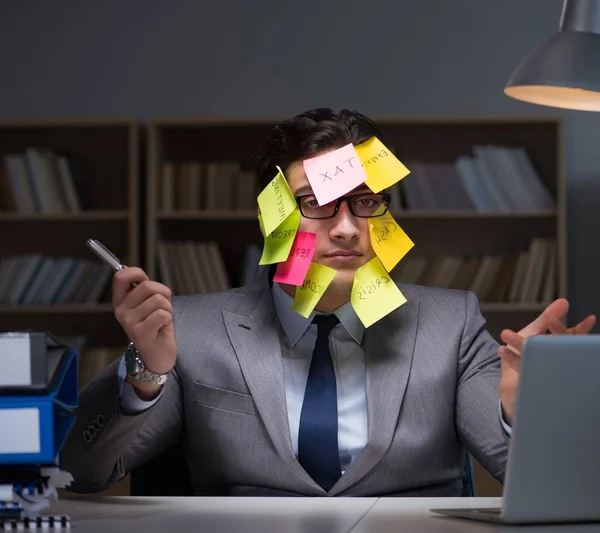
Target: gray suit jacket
[[432, 389]]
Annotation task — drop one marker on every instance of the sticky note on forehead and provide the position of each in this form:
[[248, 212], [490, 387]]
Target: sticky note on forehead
[[279, 242], [374, 293], [276, 202], [382, 168], [293, 270], [335, 173], [388, 239], [314, 286]]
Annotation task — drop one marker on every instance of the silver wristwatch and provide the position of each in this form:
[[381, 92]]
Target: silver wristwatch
[[137, 369]]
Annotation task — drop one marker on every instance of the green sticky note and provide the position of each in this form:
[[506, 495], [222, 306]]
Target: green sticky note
[[315, 284], [279, 243], [276, 203]]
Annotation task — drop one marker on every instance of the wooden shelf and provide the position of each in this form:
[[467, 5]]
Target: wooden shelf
[[96, 161], [63, 309], [92, 215]]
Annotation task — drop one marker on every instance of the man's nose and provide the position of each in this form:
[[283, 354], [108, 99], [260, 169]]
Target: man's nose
[[345, 224]]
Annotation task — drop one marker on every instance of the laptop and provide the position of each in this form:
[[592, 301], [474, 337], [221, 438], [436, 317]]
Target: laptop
[[553, 469]]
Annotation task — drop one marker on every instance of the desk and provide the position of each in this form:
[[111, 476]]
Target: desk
[[127, 514], [283, 515]]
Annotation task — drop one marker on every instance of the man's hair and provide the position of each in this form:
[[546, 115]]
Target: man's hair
[[308, 134]]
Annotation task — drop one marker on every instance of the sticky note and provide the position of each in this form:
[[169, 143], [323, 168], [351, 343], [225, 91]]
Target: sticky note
[[335, 173], [388, 239], [278, 244], [309, 293], [374, 293], [382, 168], [276, 203], [294, 270]]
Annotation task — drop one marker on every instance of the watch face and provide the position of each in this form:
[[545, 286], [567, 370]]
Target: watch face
[[131, 364]]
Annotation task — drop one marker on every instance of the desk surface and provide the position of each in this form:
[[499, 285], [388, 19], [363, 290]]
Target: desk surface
[[283, 515]]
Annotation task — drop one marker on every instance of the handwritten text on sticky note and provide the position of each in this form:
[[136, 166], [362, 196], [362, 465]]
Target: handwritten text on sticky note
[[374, 293], [278, 244], [294, 270], [389, 241], [314, 286], [335, 173], [276, 202], [382, 167]]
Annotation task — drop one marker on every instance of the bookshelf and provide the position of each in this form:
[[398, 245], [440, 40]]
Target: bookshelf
[[470, 233], [62, 182]]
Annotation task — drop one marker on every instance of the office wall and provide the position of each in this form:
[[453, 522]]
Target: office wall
[[275, 58]]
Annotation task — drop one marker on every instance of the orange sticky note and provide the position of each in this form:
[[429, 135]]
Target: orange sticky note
[[294, 270], [374, 293], [276, 203], [315, 284], [382, 168], [278, 244], [335, 173], [388, 239]]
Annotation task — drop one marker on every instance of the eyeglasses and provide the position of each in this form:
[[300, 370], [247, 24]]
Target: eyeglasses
[[362, 205]]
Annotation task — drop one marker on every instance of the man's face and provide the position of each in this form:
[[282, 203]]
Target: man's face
[[343, 241]]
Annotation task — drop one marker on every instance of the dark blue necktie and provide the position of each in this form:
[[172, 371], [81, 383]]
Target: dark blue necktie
[[318, 450]]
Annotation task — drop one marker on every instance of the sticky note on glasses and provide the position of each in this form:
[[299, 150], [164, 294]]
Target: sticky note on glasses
[[314, 285], [335, 173], [276, 203], [388, 239], [278, 244], [382, 168], [374, 293], [294, 270]]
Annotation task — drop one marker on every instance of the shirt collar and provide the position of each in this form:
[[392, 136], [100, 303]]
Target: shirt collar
[[295, 325]]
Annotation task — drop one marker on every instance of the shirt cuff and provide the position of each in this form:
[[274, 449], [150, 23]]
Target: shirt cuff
[[129, 402], [507, 429]]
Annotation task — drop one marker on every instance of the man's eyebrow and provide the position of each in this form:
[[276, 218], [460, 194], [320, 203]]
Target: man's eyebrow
[[306, 189]]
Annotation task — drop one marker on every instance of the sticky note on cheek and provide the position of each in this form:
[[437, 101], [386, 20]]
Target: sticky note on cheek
[[276, 203], [335, 173], [382, 168], [318, 278], [278, 244], [294, 270], [389, 241], [374, 294]]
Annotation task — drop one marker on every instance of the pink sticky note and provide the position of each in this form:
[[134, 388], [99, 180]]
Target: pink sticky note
[[293, 271], [334, 173]]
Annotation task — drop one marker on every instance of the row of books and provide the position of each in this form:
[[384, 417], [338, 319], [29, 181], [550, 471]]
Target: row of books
[[34, 279], [192, 186], [190, 267], [40, 181], [526, 277], [494, 178]]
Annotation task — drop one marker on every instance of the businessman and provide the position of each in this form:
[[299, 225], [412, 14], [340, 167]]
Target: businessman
[[266, 402]]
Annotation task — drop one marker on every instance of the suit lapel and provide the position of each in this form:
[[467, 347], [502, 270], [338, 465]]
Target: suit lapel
[[389, 347], [256, 342]]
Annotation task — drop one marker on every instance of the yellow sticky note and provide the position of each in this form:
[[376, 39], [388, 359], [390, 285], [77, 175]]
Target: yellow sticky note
[[309, 293], [374, 293], [276, 203], [388, 239], [278, 244], [383, 168]]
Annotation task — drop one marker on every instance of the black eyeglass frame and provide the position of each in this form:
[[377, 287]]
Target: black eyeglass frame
[[386, 202]]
